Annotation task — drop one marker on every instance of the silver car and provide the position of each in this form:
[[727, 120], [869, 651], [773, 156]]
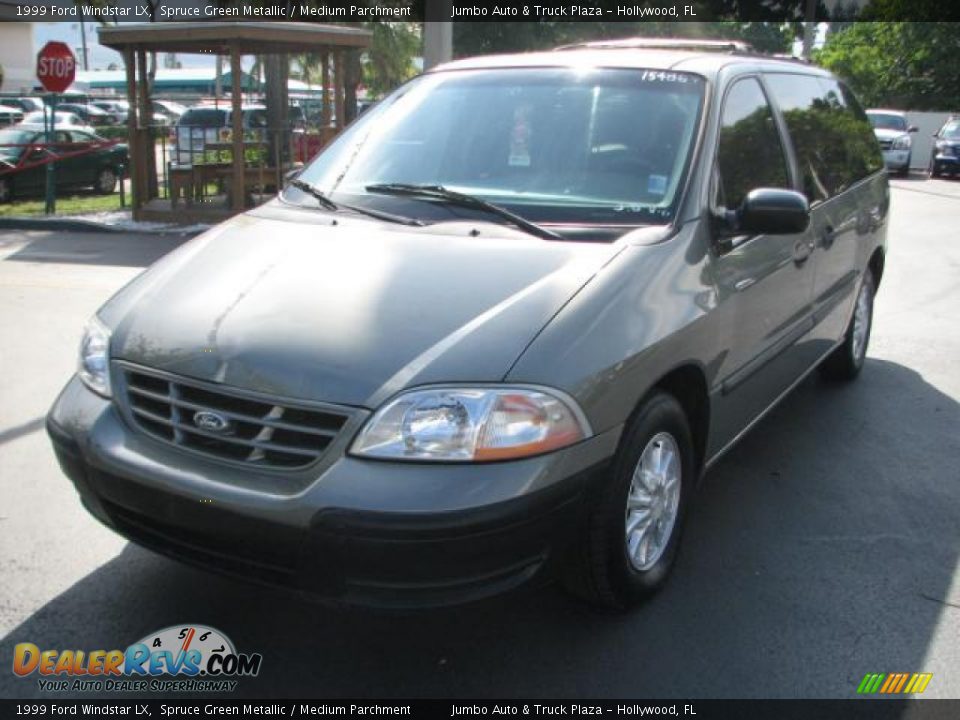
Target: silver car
[[494, 334], [893, 133]]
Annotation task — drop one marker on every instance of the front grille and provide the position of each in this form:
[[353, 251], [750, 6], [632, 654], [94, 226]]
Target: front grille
[[257, 431], [886, 144]]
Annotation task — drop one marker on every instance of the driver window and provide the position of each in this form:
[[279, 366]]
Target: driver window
[[749, 153]]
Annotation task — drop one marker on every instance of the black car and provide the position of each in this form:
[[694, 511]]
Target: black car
[[946, 149]]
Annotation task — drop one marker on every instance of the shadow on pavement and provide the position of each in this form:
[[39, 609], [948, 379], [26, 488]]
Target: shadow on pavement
[[19, 431], [822, 548], [89, 248]]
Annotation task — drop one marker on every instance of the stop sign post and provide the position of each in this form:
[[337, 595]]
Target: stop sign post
[[56, 71]]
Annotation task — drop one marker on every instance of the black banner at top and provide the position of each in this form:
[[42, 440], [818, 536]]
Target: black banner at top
[[199, 707], [477, 10]]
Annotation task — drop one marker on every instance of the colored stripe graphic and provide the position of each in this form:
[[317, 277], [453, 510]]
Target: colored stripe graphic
[[894, 683]]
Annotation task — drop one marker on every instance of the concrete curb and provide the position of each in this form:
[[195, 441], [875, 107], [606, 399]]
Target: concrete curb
[[80, 225]]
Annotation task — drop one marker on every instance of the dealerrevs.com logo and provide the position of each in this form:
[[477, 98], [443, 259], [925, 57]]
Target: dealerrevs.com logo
[[180, 658]]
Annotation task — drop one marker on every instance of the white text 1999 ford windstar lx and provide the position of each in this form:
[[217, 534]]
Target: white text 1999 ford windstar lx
[[494, 333]]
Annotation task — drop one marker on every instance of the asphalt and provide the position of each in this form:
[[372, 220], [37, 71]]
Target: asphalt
[[823, 547]]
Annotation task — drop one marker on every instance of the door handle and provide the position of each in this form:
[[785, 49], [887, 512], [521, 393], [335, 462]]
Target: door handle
[[827, 237], [801, 251]]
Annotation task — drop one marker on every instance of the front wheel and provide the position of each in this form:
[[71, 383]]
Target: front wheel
[[6, 190], [106, 181], [846, 362], [630, 541]]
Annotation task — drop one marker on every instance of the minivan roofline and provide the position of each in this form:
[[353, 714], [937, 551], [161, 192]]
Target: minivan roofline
[[708, 64]]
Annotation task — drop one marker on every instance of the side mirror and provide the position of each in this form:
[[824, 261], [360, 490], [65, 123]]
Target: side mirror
[[770, 211], [913, 129]]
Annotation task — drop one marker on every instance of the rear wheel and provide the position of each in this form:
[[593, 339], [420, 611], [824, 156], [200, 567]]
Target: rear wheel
[[106, 181], [632, 534], [846, 362]]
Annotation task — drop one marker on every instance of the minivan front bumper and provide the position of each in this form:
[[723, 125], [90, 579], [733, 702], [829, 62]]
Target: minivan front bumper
[[363, 532]]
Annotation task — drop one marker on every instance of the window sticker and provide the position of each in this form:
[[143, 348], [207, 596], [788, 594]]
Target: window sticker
[[520, 139], [657, 184]]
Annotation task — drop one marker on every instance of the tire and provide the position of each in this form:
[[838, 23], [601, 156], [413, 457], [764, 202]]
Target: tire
[[604, 571], [106, 181], [6, 190], [846, 362], [934, 169]]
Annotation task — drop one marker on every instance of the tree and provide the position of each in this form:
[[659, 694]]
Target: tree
[[897, 64]]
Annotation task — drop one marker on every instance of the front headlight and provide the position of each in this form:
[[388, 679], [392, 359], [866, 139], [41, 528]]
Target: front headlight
[[94, 366], [471, 425], [902, 143]]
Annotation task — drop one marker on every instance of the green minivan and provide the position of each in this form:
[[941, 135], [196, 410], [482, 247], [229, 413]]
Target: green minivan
[[495, 333]]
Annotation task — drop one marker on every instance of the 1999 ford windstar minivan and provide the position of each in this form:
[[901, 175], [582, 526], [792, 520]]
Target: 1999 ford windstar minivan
[[495, 332]]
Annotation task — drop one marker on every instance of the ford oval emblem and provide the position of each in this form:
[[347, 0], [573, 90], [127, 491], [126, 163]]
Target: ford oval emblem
[[211, 421]]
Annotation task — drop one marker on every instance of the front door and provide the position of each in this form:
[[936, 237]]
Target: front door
[[764, 282]]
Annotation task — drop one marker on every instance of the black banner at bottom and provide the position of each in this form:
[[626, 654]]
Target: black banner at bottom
[[872, 709]]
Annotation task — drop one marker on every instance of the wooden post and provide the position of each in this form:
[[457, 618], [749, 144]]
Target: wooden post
[[339, 79], [325, 93], [239, 165], [146, 132], [134, 160]]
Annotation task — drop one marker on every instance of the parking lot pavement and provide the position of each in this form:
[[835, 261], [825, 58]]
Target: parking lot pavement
[[825, 546]]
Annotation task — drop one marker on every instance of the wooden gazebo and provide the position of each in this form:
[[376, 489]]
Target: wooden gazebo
[[232, 39]]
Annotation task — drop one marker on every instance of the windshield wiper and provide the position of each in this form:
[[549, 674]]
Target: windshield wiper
[[327, 204], [438, 192]]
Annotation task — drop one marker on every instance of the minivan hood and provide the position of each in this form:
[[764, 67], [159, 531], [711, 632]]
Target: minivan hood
[[289, 304]]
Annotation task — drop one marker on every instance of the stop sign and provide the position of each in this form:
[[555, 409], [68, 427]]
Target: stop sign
[[56, 67]]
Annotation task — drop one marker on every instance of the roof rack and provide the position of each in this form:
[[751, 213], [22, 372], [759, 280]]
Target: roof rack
[[729, 46]]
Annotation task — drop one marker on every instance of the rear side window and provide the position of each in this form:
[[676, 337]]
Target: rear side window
[[204, 117], [749, 154], [832, 138], [863, 151]]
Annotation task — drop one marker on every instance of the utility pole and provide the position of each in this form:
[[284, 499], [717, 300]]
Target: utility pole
[[83, 44], [809, 28], [437, 34]]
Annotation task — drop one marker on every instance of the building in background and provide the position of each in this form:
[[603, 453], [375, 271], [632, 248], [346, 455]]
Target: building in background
[[18, 52]]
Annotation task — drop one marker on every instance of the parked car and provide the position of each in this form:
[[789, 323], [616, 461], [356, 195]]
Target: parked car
[[98, 169], [946, 149], [118, 109], [494, 333], [10, 115], [89, 114], [25, 104], [893, 134], [169, 109], [204, 124], [60, 118]]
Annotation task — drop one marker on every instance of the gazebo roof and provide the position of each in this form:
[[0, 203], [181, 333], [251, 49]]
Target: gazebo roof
[[219, 37]]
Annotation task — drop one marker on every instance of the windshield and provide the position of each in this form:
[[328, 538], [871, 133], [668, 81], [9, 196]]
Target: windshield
[[885, 121], [13, 136], [951, 131], [60, 118], [579, 146]]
